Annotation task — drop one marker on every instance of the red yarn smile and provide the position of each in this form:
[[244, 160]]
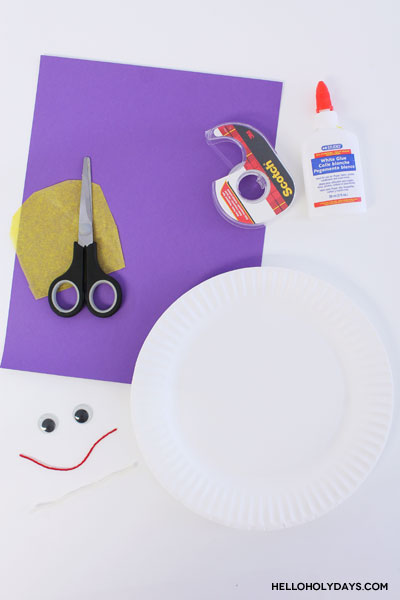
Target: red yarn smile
[[37, 462]]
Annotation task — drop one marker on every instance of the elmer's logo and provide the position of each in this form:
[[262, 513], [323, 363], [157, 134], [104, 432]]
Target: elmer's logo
[[331, 147], [275, 174]]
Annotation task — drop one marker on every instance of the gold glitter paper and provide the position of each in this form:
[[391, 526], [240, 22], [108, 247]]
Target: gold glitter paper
[[45, 228]]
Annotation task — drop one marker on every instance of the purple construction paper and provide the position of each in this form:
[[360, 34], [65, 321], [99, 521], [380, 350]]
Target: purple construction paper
[[144, 130]]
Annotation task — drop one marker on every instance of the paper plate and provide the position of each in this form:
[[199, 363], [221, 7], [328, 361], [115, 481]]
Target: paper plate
[[262, 398]]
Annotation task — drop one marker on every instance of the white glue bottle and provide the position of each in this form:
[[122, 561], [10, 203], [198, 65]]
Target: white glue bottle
[[331, 164]]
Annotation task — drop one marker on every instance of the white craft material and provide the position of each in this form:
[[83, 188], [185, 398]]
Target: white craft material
[[262, 398]]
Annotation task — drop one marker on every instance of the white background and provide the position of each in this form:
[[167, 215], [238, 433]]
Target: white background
[[125, 537]]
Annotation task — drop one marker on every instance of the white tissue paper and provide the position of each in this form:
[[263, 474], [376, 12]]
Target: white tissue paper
[[26, 399]]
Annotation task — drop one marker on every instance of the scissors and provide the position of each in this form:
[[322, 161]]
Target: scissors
[[85, 274]]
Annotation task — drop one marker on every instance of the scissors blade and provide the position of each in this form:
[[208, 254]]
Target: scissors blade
[[85, 237]]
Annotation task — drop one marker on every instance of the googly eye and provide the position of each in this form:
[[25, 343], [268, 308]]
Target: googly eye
[[47, 423], [82, 413]]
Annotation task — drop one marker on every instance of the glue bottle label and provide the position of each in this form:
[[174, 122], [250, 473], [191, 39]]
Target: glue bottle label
[[335, 175]]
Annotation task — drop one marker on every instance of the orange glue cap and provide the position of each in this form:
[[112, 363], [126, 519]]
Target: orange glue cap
[[323, 98]]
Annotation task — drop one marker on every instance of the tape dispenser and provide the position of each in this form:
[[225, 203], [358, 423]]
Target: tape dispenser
[[259, 159]]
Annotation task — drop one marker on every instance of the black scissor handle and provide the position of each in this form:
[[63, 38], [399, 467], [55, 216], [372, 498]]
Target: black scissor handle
[[73, 276], [95, 276]]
